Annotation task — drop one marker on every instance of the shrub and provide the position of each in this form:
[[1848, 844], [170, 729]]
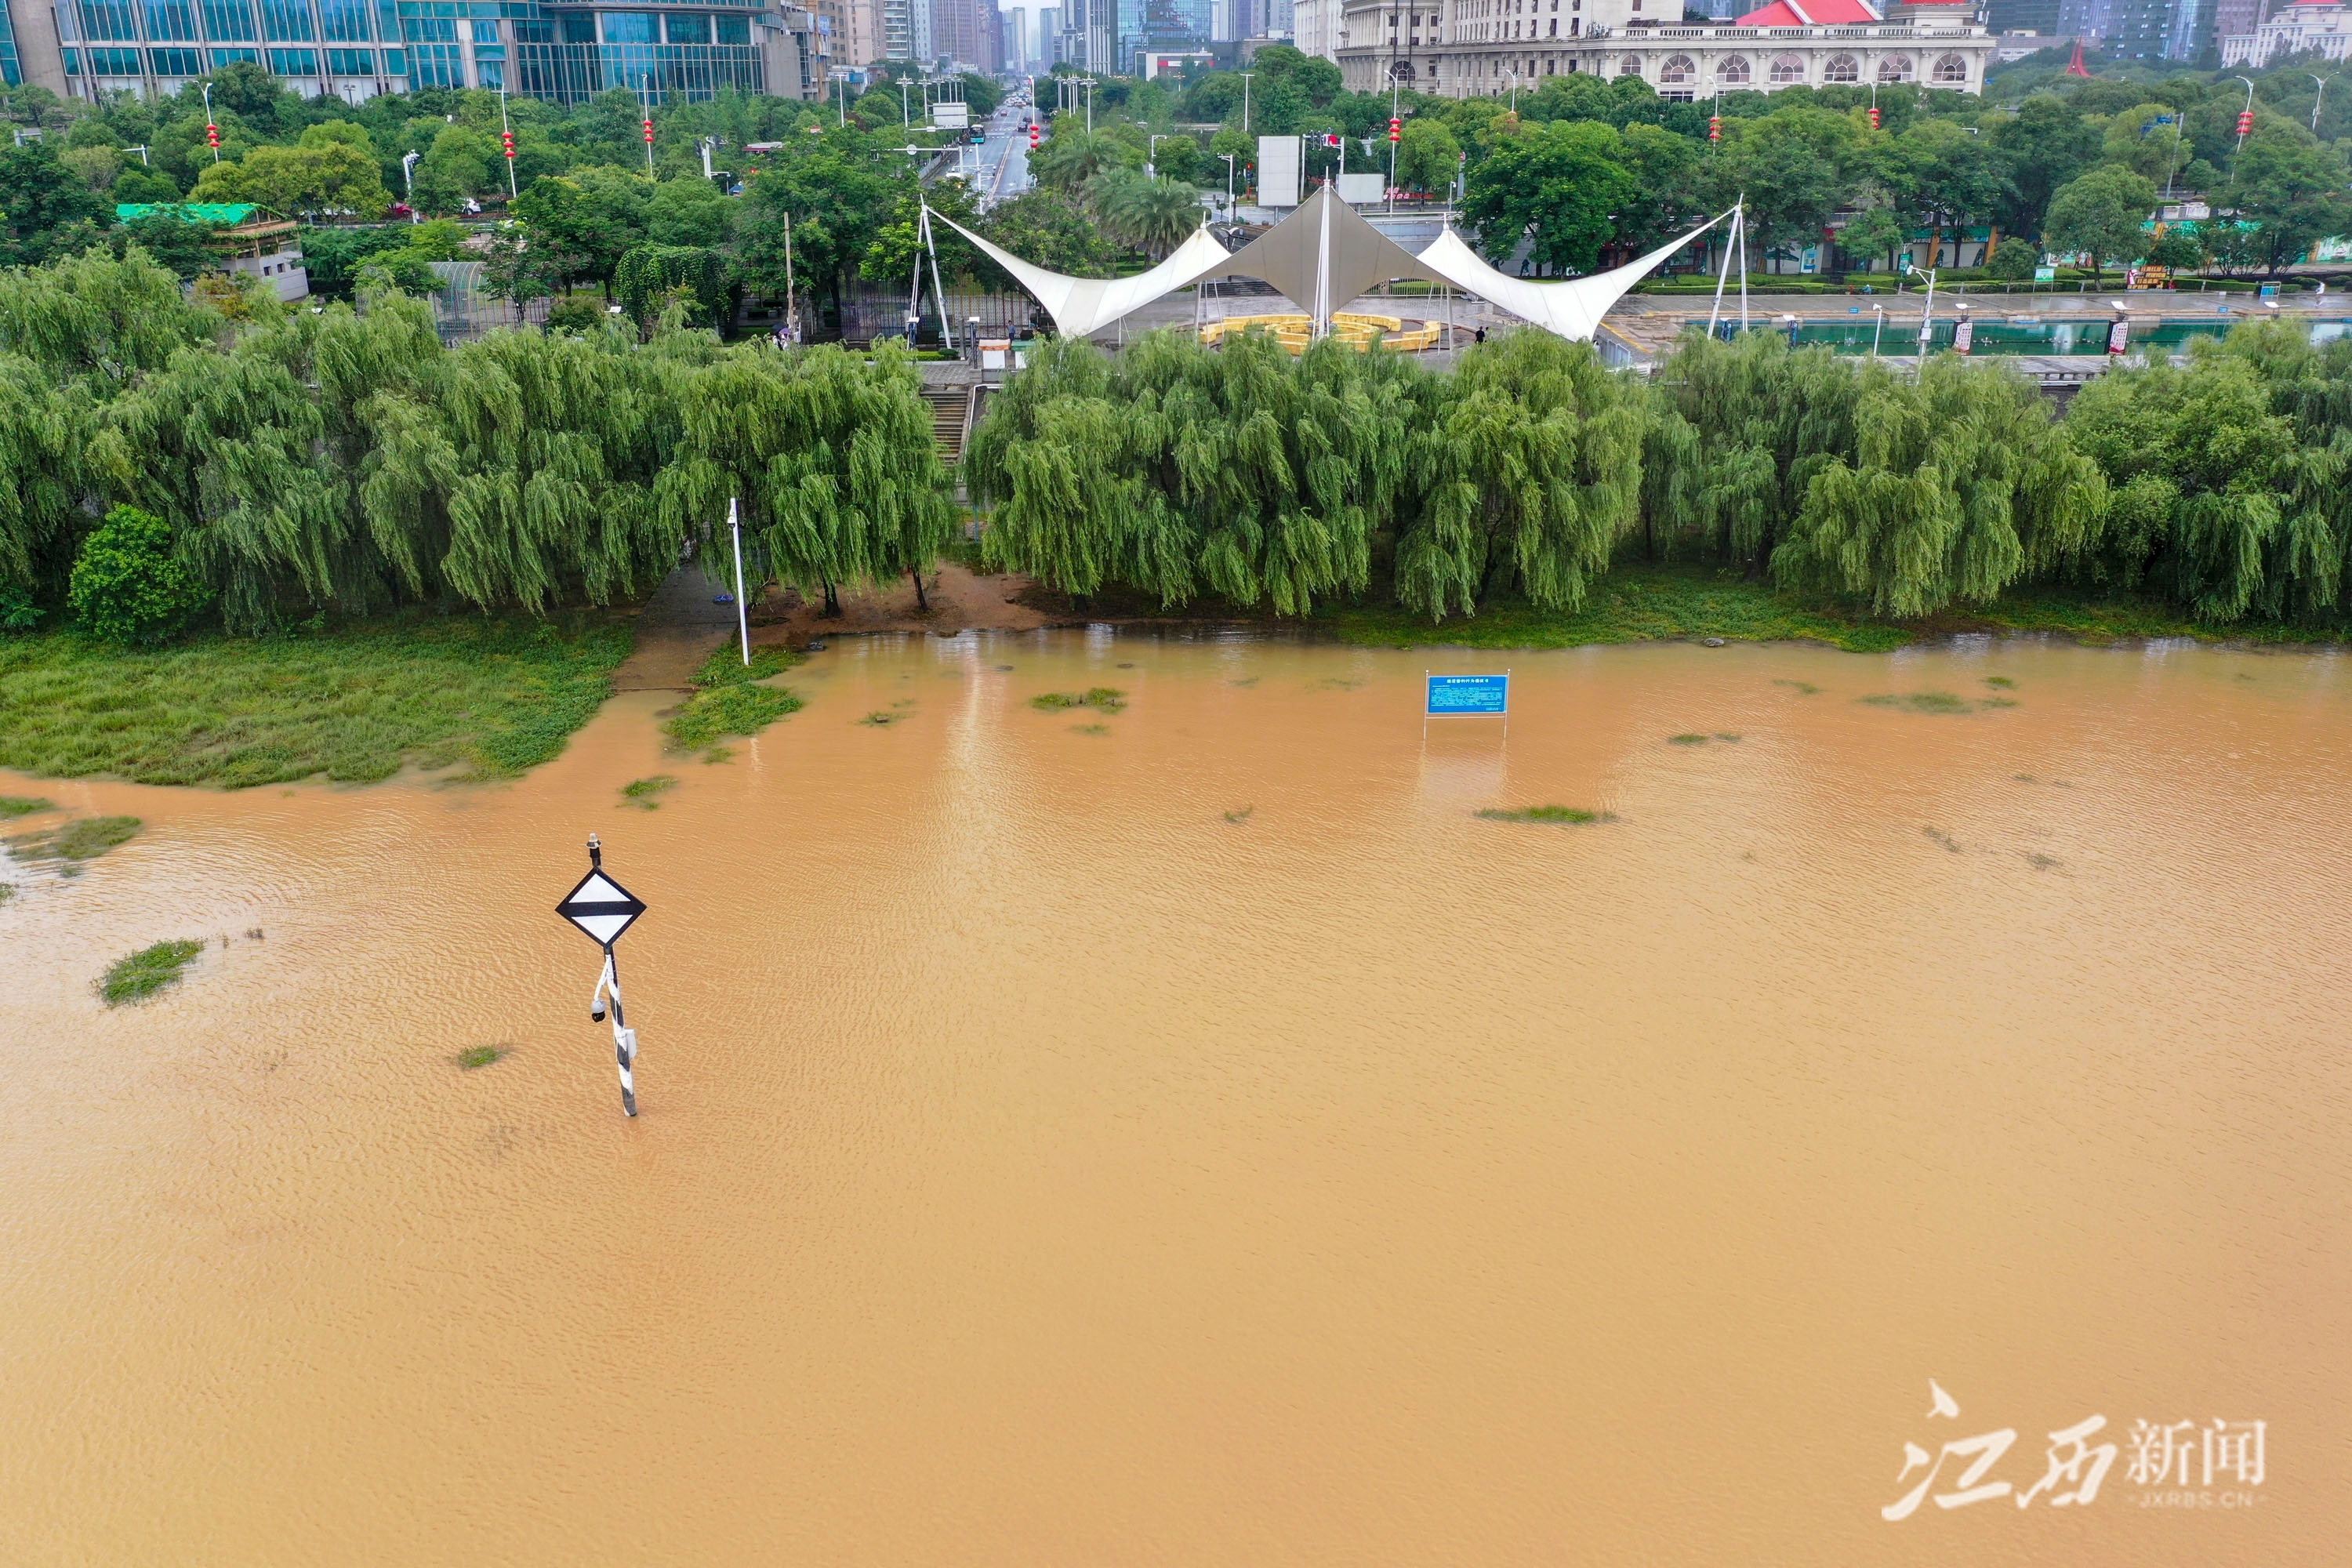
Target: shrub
[[2014, 262], [127, 585]]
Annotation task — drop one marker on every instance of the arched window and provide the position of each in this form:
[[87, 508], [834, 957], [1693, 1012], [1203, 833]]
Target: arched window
[[1732, 69], [1630, 66], [1678, 70], [1895, 68], [1841, 67], [1951, 67], [1787, 68]]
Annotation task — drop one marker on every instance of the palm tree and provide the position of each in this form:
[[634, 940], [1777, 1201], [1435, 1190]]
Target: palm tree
[[1071, 160]]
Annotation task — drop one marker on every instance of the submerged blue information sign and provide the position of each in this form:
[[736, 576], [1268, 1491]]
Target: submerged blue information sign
[[1468, 694]]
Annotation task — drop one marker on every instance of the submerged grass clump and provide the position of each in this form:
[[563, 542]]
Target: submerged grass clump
[[474, 1057], [1089, 729], [1801, 687], [85, 838], [7, 891], [1686, 739], [2000, 682], [24, 806], [737, 710], [640, 793], [725, 667], [146, 972], [1101, 699], [1240, 816], [881, 718], [1565, 815], [1944, 838], [1920, 702]]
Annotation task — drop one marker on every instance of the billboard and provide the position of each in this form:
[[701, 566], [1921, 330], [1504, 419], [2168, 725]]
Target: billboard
[[952, 116], [1278, 158], [1359, 189]]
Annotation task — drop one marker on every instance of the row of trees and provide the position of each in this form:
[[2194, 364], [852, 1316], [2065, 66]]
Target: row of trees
[[1180, 471], [346, 460]]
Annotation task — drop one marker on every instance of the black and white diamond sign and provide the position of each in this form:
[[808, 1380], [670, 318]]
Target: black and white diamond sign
[[601, 907]]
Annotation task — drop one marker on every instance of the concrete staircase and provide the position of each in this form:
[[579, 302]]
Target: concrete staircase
[[948, 406]]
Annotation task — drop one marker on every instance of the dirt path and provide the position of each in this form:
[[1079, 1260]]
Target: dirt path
[[678, 627], [960, 599]]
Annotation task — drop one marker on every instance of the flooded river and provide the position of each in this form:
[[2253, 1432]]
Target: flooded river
[[1191, 1134]]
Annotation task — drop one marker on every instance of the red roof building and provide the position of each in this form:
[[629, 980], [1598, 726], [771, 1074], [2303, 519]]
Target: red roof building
[[1811, 14]]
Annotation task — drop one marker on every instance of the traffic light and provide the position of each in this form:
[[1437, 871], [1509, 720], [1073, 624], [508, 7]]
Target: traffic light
[[1331, 138], [1715, 128], [1396, 130], [507, 138], [2245, 120], [1874, 116]]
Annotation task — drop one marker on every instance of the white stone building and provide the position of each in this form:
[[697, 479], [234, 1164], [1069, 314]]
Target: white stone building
[[1458, 48], [2321, 27]]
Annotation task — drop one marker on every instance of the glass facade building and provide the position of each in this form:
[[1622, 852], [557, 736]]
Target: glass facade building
[[664, 50]]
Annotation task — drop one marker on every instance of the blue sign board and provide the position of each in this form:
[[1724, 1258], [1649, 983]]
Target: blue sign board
[[1456, 694]]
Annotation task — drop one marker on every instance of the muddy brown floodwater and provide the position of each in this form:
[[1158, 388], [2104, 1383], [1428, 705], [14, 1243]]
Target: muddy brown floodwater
[[1192, 1134]]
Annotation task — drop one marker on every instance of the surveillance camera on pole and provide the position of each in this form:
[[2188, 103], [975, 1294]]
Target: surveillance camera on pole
[[603, 909]]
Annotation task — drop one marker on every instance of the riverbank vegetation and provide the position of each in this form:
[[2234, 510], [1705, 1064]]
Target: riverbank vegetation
[[1532, 497], [492, 698]]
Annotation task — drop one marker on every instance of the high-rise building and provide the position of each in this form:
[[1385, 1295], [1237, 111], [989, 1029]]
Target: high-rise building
[[1045, 39], [563, 51], [2025, 17]]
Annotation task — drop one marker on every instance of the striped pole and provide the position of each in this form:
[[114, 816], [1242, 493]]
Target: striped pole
[[624, 1039]]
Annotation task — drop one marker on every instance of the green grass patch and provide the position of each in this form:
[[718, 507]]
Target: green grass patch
[[1686, 739], [146, 972], [725, 667], [474, 1057], [1566, 814], [739, 709], [1720, 735], [7, 891], [641, 793], [1633, 604], [1919, 702], [23, 805], [2000, 682], [497, 697], [84, 838]]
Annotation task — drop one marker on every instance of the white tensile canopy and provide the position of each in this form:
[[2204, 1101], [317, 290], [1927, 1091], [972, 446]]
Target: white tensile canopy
[[1322, 256]]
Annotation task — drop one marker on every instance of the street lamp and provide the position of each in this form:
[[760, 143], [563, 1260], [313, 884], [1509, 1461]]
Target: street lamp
[[2317, 98], [1246, 119], [408, 177], [1880, 326], [1228, 157], [1927, 317]]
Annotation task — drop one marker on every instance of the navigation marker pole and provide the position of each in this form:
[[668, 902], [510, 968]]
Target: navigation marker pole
[[742, 616], [603, 909]]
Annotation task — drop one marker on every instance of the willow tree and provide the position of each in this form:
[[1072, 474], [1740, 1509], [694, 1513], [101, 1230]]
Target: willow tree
[[559, 443], [1960, 483], [226, 450], [1257, 476], [43, 432], [94, 315], [2221, 500], [1740, 429], [1532, 473], [831, 458]]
